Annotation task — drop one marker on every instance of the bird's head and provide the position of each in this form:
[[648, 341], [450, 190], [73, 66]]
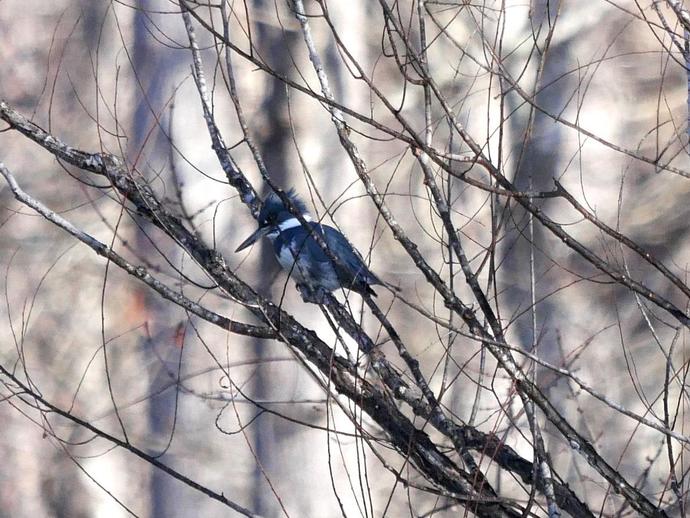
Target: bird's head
[[275, 216]]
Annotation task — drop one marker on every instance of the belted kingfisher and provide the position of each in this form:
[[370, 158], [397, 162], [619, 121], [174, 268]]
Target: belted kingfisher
[[302, 256]]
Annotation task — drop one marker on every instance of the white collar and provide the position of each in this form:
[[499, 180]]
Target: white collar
[[292, 223]]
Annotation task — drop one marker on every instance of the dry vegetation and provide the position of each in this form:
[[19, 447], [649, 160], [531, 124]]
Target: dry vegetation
[[516, 172]]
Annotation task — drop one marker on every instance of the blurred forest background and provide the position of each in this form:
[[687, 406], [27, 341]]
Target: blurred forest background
[[534, 153]]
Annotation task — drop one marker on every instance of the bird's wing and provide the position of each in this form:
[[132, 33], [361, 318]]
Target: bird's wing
[[352, 260]]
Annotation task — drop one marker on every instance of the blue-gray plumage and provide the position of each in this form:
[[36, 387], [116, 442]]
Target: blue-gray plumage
[[303, 257]]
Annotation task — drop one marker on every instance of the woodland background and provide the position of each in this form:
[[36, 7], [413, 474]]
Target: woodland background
[[590, 94]]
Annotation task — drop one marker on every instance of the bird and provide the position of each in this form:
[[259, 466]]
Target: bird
[[301, 255]]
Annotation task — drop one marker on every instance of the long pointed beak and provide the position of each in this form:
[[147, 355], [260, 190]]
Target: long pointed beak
[[260, 232]]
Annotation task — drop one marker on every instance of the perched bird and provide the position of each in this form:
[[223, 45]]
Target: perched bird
[[303, 257]]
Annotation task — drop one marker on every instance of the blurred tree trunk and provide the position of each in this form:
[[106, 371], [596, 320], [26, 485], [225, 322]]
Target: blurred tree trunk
[[159, 355], [270, 434], [537, 155]]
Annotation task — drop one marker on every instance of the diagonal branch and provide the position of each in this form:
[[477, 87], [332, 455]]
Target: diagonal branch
[[409, 441]]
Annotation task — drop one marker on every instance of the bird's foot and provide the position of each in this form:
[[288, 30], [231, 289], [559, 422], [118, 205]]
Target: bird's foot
[[313, 296]]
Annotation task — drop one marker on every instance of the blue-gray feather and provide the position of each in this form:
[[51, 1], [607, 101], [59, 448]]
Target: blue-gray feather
[[313, 266], [302, 256], [273, 205]]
